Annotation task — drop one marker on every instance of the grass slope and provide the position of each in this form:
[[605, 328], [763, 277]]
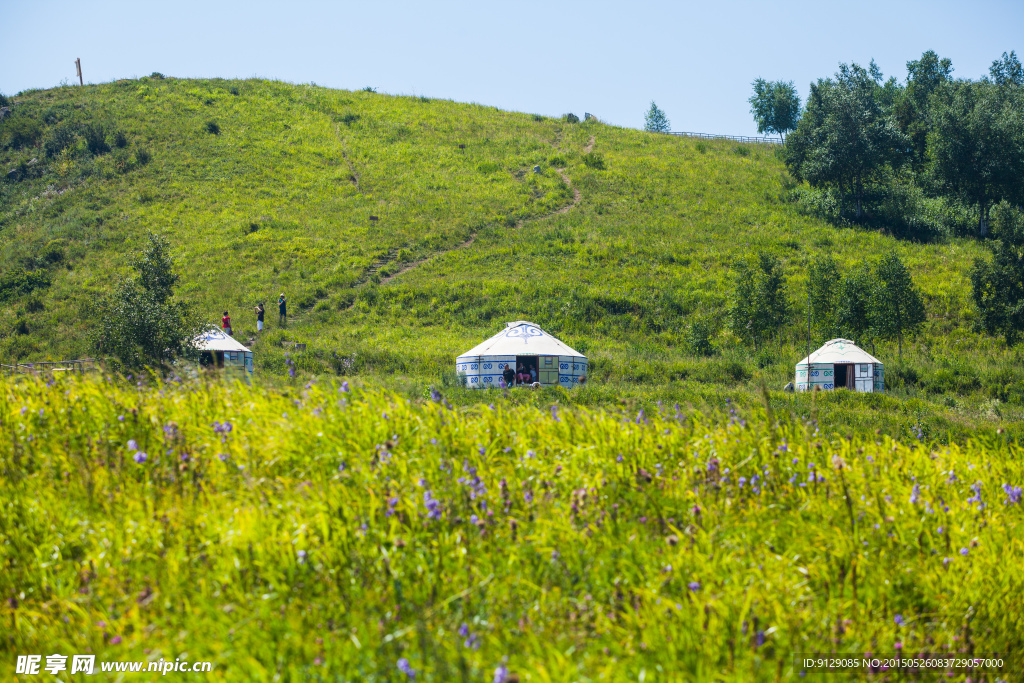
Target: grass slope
[[466, 238], [301, 543]]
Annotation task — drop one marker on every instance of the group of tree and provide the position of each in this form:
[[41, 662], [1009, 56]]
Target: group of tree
[[863, 304], [860, 136], [141, 323]]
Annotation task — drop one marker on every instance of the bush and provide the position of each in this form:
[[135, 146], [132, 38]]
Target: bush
[[594, 160], [142, 156], [698, 338], [557, 161], [213, 127], [96, 138], [58, 139], [16, 282], [369, 89], [349, 118], [122, 161], [157, 75], [233, 90], [120, 139], [571, 118], [22, 131]]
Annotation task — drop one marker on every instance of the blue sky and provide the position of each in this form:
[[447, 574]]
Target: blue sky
[[696, 60]]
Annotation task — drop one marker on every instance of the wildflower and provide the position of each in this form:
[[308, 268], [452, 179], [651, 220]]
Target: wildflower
[[392, 502], [528, 496], [915, 494], [899, 620], [406, 668], [501, 674], [796, 461], [898, 645], [939, 530], [25, 410], [433, 505], [344, 387], [481, 450], [640, 416], [964, 551], [554, 413], [530, 454], [760, 638], [946, 561], [976, 498], [694, 586], [140, 457], [1013, 494], [116, 640], [618, 458], [120, 418], [133, 445], [463, 630], [224, 457], [742, 481], [554, 555], [301, 554]]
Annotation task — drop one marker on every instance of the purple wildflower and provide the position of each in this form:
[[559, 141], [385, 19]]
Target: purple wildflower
[[501, 674], [554, 413], [528, 497], [433, 505], [406, 668], [140, 457], [481, 450], [976, 498], [25, 410], [964, 551], [435, 395], [640, 416], [915, 494], [1013, 494], [694, 586], [301, 554], [760, 638], [946, 561], [618, 458], [392, 502], [344, 387], [899, 620], [133, 445], [463, 630]]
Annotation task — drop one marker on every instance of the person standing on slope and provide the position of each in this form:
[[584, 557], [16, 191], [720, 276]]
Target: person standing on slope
[[226, 324], [282, 310], [259, 317]]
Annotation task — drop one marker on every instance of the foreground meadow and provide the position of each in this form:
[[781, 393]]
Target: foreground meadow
[[328, 532]]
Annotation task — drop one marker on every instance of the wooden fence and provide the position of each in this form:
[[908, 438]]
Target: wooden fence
[[737, 138]]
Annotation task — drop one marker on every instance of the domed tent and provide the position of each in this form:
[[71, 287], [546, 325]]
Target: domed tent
[[840, 364], [523, 345]]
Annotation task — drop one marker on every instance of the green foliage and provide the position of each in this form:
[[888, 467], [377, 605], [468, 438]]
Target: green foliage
[[898, 310], [140, 323], [759, 305], [913, 108], [997, 285], [17, 282], [698, 337], [1007, 71], [855, 309], [655, 120], [594, 160], [571, 118], [120, 139], [212, 127], [775, 106], [845, 139], [18, 131], [96, 138], [59, 138], [823, 285], [977, 145]]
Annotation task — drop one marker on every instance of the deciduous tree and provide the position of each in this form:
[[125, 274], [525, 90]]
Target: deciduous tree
[[997, 285], [775, 106], [897, 308]]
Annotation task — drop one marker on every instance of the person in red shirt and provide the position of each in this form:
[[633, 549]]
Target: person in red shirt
[[226, 323]]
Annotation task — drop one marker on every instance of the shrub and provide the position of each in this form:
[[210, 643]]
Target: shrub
[[16, 282], [369, 89], [4, 101], [122, 161], [157, 75], [142, 156], [120, 139], [58, 139], [741, 150], [594, 160], [96, 138], [34, 304], [538, 118], [557, 161], [22, 131], [233, 90], [349, 118], [698, 338], [213, 127], [571, 118], [488, 167], [701, 147], [21, 326]]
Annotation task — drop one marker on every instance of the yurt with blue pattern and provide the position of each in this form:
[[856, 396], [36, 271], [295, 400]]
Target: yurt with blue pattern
[[840, 364], [527, 350]]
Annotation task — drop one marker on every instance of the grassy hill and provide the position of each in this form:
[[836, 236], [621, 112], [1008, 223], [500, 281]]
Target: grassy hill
[[405, 230]]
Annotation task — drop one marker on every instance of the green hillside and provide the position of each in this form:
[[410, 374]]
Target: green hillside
[[466, 236]]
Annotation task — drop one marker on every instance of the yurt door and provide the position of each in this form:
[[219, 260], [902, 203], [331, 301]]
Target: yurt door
[[865, 377], [548, 369]]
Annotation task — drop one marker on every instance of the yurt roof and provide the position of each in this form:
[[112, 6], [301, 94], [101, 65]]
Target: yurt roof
[[217, 340], [521, 338], [840, 351]]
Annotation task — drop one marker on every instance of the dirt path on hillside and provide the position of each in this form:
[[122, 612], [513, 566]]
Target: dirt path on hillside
[[392, 254]]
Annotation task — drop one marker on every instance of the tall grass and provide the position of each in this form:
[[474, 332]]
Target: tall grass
[[326, 532]]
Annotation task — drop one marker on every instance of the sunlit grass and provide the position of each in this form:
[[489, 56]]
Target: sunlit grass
[[572, 543]]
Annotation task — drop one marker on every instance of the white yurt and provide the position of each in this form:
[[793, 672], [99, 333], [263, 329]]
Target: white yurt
[[218, 349], [840, 364], [522, 345]]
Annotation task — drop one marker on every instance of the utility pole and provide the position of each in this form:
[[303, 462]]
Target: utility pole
[[78, 65]]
